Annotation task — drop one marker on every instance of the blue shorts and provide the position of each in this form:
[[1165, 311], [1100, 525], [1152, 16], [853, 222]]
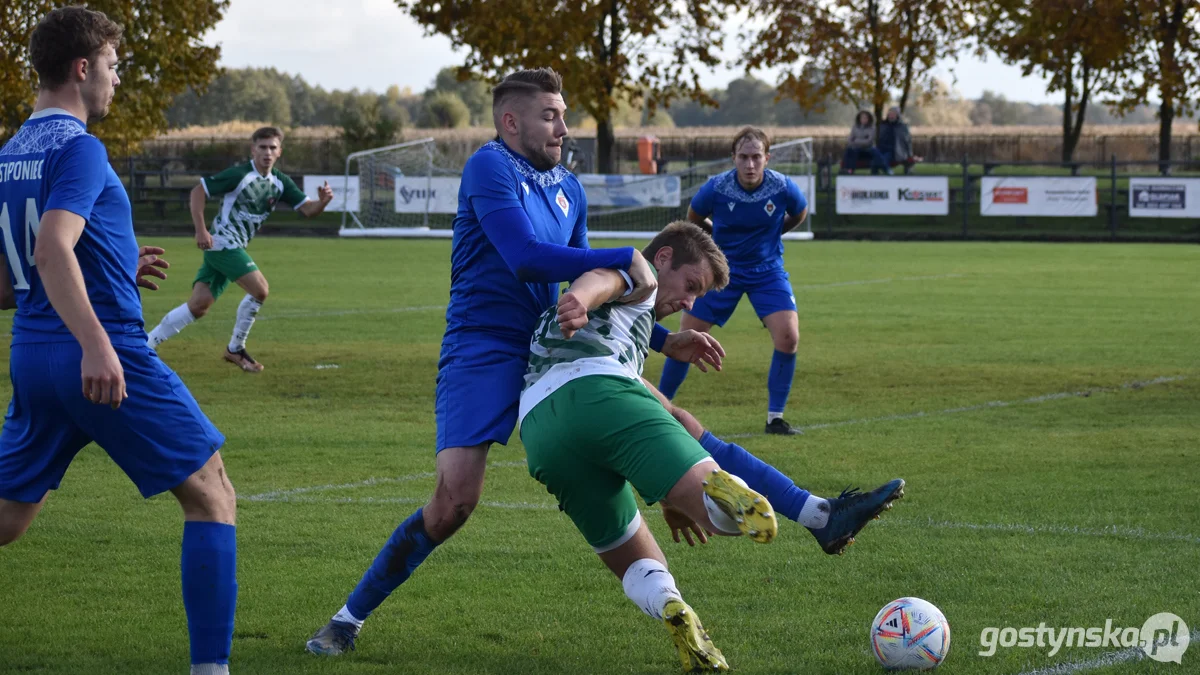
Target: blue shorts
[[479, 392], [158, 436], [769, 291]]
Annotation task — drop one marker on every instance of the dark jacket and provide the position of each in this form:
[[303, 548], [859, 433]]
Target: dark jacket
[[894, 137]]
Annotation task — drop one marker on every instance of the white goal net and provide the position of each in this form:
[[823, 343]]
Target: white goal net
[[411, 190]]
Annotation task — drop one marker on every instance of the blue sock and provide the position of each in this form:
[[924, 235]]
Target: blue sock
[[209, 570], [673, 373], [785, 497], [404, 551], [779, 381]]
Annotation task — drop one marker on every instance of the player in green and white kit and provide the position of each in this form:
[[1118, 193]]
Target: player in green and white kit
[[591, 428], [248, 193]]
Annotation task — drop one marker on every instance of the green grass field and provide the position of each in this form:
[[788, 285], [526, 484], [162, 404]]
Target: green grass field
[[1042, 401]]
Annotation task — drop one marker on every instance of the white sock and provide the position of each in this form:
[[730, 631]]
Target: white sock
[[649, 585], [772, 416], [169, 327], [210, 669], [247, 310], [345, 616], [815, 512]]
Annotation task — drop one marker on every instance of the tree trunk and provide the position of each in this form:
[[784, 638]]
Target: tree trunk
[[1166, 115], [605, 144], [879, 93], [1068, 149]]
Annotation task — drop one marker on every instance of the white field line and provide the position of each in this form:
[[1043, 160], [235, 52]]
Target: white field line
[[286, 494], [429, 308], [1084, 393], [1105, 660]]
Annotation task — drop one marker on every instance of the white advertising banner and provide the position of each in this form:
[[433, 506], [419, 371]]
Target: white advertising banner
[[344, 194], [893, 195], [631, 190], [1033, 196], [421, 194], [1164, 197]]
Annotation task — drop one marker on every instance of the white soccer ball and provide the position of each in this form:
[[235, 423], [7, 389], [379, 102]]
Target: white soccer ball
[[910, 634]]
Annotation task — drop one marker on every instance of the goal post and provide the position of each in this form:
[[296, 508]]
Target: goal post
[[411, 190]]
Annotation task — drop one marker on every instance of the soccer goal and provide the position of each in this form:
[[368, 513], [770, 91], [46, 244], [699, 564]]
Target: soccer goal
[[411, 190]]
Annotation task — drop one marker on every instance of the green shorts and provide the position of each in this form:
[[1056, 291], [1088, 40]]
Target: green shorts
[[594, 436], [222, 267]]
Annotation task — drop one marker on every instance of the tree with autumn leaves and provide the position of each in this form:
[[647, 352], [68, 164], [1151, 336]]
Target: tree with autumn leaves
[[161, 55], [605, 50]]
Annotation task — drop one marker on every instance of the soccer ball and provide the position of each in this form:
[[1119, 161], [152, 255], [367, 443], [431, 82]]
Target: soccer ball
[[910, 633]]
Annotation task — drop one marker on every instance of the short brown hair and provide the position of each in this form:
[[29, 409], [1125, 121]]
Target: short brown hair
[[66, 34], [690, 244], [748, 133], [267, 132], [526, 83]]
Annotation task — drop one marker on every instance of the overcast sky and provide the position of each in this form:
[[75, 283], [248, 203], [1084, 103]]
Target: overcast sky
[[371, 44]]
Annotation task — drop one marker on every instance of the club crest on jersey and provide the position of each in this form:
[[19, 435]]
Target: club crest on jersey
[[562, 202], [769, 207]]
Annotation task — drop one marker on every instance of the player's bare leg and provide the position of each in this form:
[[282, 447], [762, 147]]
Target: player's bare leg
[[15, 518], [640, 565], [460, 474], [784, 327], [256, 287], [723, 503], [182, 316]]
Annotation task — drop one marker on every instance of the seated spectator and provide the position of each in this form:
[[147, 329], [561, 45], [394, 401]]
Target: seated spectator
[[895, 140], [861, 146]]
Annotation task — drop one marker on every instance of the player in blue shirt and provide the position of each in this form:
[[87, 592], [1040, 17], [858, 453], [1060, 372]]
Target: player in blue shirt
[[79, 365], [750, 207], [520, 231]]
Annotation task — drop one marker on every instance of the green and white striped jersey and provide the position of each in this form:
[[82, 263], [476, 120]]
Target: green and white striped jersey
[[614, 342], [247, 198]]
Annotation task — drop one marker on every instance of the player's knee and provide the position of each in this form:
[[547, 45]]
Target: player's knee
[[788, 342], [260, 294], [12, 529], [199, 308], [450, 509]]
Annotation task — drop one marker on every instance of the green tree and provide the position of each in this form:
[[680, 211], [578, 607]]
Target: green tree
[[474, 91], [1069, 41], [161, 56], [364, 123], [444, 110], [1164, 56], [605, 49]]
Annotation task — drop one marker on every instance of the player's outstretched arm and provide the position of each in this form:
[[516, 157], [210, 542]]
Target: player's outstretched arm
[[8, 298], [54, 255], [588, 292]]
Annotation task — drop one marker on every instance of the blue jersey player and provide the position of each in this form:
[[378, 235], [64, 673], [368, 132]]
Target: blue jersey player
[[750, 208], [79, 365], [521, 229]]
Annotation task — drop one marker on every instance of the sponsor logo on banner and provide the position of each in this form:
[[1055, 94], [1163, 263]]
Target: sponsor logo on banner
[[1073, 196], [893, 195], [421, 194], [631, 190], [1164, 197], [345, 192], [1010, 195]]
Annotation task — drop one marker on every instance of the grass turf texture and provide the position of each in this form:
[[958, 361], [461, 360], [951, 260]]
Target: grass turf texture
[[94, 585]]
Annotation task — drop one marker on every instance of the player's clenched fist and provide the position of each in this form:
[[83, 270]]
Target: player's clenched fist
[[572, 314], [103, 377], [204, 240], [644, 281]]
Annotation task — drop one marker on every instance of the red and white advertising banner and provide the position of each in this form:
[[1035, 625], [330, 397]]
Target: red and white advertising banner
[[1037, 196], [893, 195]]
